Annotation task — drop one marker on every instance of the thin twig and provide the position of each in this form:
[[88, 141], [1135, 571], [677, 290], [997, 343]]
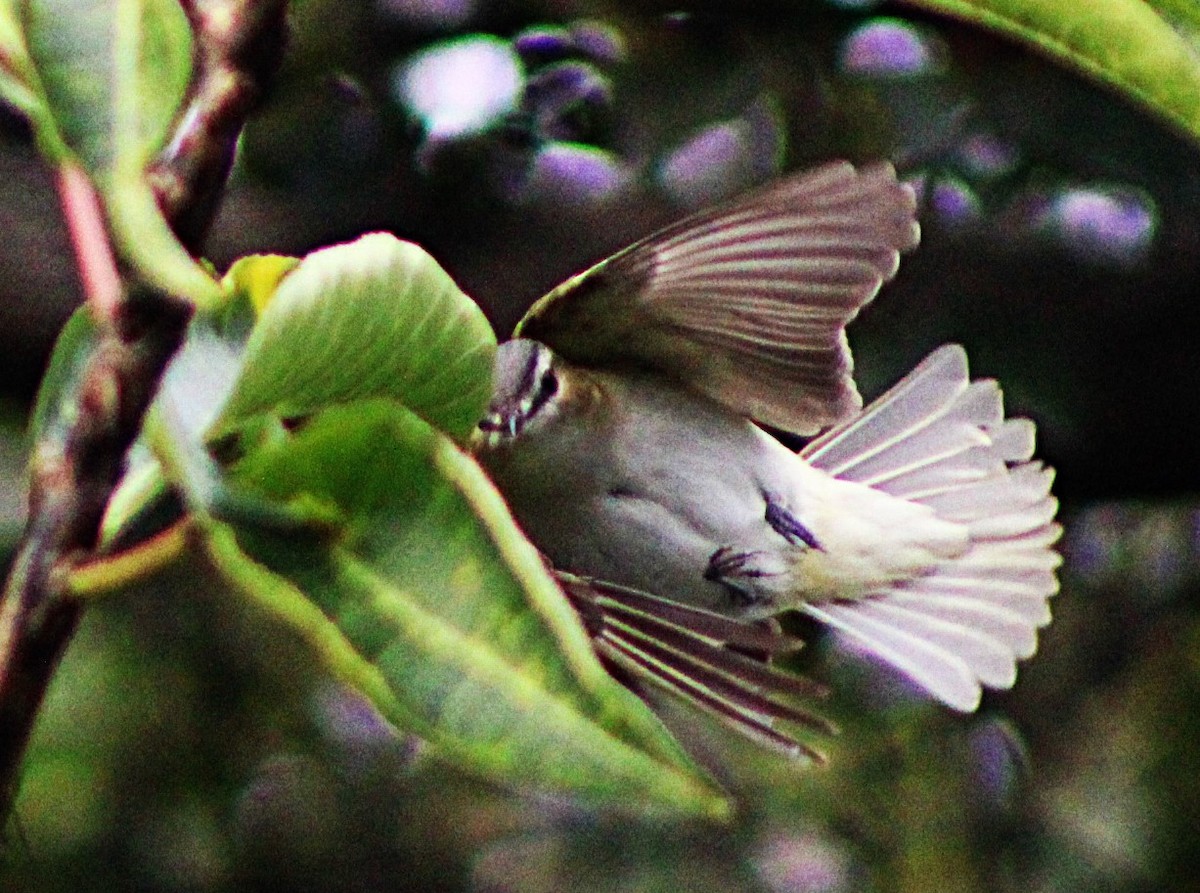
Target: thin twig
[[80, 456], [85, 222], [239, 45]]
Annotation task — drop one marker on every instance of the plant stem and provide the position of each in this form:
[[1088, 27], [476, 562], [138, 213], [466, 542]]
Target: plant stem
[[80, 457]]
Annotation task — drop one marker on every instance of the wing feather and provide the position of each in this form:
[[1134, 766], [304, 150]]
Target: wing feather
[[720, 664], [748, 302]]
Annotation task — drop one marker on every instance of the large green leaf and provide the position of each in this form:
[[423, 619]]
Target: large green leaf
[[428, 600], [1127, 44], [1183, 14], [14, 58], [376, 317]]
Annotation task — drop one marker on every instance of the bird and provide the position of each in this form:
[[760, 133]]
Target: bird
[[630, 431]]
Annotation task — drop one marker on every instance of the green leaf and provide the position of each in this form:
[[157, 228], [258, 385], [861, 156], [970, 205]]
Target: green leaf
[[1125, 44], [376, 317], [193, 391], [14, 57], [431, 604], [20, 86], [255, 278], [153, 66], [147, 240], [72, 348], [114, 73], [1182, 14]]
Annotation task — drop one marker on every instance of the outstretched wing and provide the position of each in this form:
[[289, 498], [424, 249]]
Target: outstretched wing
[[748, 302], [714, 662]]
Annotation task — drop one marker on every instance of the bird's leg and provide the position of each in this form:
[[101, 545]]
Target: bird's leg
[[743, 573], [755, 569], [788, 526]]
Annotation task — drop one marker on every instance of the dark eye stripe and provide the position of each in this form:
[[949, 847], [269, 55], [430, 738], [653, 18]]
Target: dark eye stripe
[[534, 367], [547, 388], [538, 385]]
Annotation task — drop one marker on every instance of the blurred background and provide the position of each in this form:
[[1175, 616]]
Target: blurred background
[[189, 745]]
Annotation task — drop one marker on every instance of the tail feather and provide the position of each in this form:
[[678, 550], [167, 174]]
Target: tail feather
[[998, 621], [1031, 607], [904, 410], [989, 658], [1019, 497], [942, 673], [922, 449], [1015, 440], [941, 440], [926, 479]]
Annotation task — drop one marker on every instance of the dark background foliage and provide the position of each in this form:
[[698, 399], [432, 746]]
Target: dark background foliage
[[188, 745]]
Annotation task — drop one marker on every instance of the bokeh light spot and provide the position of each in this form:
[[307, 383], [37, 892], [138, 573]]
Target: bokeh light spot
[[724, 158], [576, 174], [984, 155], [954, 201], [803, 863], [1101, 224], [887, 48], [460, 86]]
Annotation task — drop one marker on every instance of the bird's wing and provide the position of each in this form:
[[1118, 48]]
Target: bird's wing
[[747, 302], [717, 663]]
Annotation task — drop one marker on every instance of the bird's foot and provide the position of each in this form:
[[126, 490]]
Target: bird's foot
[[744, 573], [788, 526]]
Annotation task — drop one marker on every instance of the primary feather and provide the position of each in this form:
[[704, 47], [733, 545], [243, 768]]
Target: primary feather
[[745, 303], [718, 663]]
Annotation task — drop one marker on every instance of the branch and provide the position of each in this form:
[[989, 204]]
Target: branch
[[80, 458], [238, 48]]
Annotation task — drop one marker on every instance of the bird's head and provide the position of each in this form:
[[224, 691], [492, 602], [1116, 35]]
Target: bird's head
[[526, 393]]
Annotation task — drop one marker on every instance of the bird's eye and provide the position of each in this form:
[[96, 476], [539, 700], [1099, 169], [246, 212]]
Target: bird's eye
[[547, 388]]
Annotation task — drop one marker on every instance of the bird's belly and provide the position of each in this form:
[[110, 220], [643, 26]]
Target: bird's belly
[[639, 542], [658, 537]]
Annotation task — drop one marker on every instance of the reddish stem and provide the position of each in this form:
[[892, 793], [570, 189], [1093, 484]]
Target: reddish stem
[[89, 237]]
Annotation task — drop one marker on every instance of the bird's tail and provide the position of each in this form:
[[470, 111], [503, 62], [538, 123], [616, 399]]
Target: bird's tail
[[939, 439]]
